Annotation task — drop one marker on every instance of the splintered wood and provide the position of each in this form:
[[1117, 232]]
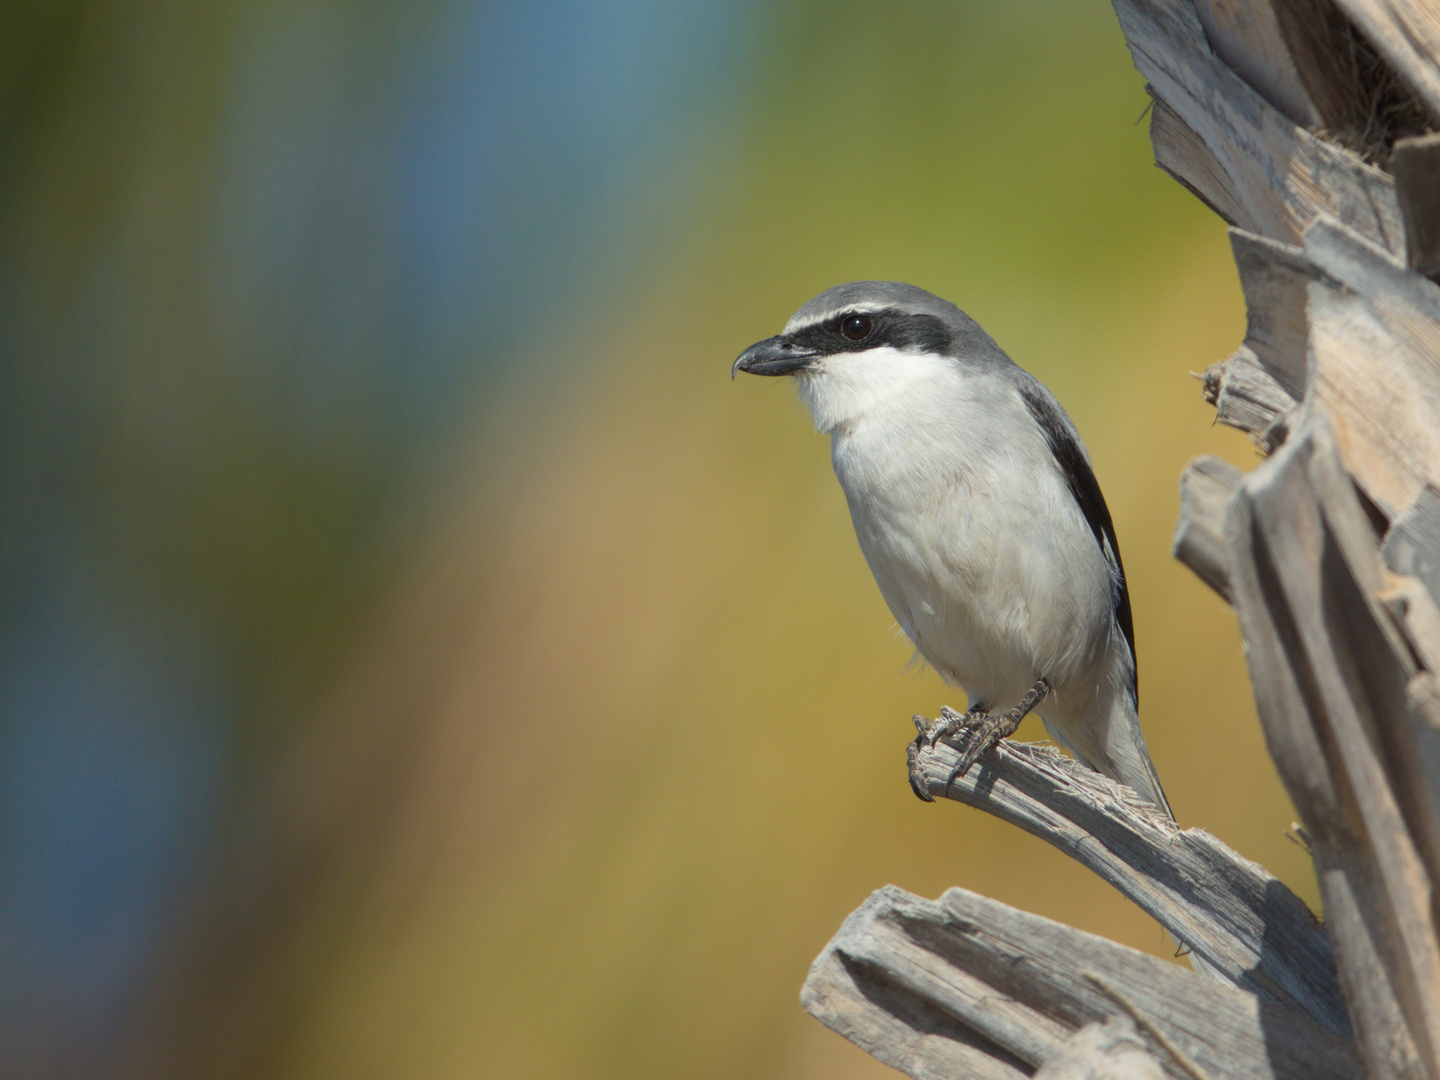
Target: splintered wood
[[1330, 674], [969, 987], [1246, 159], [1309, 126], [1205, 489], [1237, 919]]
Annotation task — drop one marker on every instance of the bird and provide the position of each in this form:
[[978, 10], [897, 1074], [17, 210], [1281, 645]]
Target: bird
[[977, 509]]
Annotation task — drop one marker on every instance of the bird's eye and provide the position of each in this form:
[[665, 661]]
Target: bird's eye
[[856, 327]]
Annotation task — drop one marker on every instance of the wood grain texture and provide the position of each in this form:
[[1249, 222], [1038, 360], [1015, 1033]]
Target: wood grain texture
[[1259, 386], [1330, 678], [1246, 396], [1249, 38], [1244, 157], [1241, 923], [1274, 278], [1181, 152], [966, 986], [1374, 343], [1205, 489]]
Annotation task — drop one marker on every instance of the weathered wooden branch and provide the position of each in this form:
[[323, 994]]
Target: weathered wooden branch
[[1374, 340], [1309, 125], [1241, 923], [968, 987], [1248, 397], [1252, 40], [1252, 164], [1331, 680], [1342, 655], [1273, 278], [1206, 486]]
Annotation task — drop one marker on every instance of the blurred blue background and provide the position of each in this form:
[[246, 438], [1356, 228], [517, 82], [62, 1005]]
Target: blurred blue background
[[391, 582]]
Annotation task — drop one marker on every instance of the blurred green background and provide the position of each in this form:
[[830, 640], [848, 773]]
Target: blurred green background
[[417, 658]]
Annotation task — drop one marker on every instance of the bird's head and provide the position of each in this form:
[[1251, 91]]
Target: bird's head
[[868, 345]]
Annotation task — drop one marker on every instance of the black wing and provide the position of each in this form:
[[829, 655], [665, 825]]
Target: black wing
[[1077, 472]]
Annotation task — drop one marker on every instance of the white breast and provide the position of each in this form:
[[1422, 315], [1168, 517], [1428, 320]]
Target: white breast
[[971, 531]]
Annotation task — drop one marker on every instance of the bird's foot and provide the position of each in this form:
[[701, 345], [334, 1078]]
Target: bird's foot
[[929, 732], [950, 723], [987, 730]]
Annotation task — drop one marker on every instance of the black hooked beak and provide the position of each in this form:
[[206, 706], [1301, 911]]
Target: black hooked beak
[[773, 356]]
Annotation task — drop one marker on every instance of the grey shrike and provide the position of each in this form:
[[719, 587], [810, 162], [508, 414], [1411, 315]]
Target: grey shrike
[[976, 507]]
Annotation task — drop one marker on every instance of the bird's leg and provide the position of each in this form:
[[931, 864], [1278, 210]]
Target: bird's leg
[[989, 730], [948, 723]]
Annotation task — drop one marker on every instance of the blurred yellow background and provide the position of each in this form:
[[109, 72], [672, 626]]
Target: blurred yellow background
[[419, 659]]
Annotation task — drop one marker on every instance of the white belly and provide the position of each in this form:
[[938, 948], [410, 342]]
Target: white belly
[[981, 553]]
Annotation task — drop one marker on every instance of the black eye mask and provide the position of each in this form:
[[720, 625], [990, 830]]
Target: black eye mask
[[892, 328]]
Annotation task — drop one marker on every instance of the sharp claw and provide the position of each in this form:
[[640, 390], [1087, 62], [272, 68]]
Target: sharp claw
[[917, 778]]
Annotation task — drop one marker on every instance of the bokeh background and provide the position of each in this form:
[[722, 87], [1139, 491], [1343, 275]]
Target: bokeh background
[[417, 658]]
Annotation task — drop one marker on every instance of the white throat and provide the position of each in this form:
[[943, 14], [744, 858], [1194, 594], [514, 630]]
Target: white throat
[[846, 387]]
